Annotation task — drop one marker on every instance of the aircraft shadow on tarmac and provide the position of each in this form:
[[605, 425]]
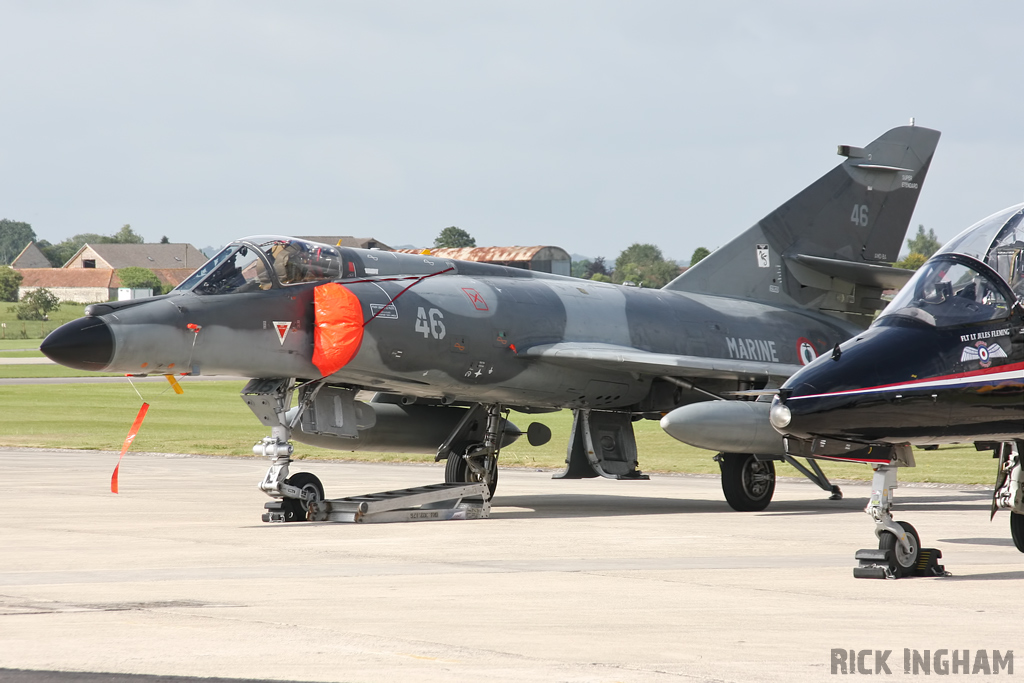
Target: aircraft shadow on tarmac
[[992, 576], [979, 541]]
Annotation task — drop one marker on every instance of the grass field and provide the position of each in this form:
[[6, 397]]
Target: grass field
[[9, 347], [210, 418], [13, 329], [34, 371]]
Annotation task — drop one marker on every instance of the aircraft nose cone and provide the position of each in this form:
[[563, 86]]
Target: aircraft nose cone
[[83, 344]]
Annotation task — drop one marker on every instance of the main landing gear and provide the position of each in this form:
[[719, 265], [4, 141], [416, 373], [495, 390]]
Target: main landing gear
[[899, 550], [1009, 490], [748, 480], [470, 461]]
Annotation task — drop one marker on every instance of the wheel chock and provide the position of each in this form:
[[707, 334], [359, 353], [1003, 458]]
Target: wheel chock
[[274, 511], [928, 563], [874, 564], [878, 564]]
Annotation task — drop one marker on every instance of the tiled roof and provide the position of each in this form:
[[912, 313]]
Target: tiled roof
[[30, 257], [148, 255], [66, 277], [172, 276]]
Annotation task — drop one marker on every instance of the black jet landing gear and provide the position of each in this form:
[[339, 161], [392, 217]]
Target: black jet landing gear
[[899, 552], [469, 461], [1009, 490], [747, 481]]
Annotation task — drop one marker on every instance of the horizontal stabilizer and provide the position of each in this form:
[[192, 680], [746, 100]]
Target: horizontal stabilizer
[[858, 273]]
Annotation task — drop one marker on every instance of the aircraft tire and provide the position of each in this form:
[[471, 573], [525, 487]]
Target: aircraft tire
[[456, 471], [1017, 530], [902, 564], [748, 483], [295, 509]]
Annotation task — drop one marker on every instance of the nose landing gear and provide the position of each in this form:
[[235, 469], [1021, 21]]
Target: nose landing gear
[[899, 552]]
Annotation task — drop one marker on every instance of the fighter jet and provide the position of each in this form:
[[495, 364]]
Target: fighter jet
[[944, 363], [449, 347]]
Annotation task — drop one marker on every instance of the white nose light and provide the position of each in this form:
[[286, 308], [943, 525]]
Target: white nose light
[[780, 415]]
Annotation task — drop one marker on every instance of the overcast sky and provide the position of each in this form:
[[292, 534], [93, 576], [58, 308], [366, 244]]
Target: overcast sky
[[589, 125]]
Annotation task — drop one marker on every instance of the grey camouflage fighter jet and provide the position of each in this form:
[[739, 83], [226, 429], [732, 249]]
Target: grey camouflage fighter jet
[[449, 347]]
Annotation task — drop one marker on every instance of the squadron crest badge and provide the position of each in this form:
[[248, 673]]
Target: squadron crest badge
[[982, 352]]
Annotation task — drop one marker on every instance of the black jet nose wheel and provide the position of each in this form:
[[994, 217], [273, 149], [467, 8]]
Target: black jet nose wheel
[[458, 471], [1017, 530], [903, 562], [748, 483], [295, 509]]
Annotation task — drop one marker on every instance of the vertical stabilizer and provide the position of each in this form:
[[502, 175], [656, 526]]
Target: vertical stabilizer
[[829, 247]]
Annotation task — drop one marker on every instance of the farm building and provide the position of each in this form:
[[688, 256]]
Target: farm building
[[91, 274]]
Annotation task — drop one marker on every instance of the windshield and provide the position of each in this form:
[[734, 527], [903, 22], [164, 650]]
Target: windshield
[[945, 292], [997, 241], [261, 263]]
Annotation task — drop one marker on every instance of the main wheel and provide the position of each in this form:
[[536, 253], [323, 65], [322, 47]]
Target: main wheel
[[902, 562], [748, 483], [1017, 530], [295, 509], [457, 471]]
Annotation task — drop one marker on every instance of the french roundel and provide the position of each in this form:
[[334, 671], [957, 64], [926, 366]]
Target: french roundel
[[805, 351]]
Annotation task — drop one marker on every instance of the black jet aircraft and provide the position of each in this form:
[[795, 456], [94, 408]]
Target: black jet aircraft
[[448, 347], [944, 363]]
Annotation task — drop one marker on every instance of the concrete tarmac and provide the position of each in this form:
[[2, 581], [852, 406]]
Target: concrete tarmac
[[590, 580]]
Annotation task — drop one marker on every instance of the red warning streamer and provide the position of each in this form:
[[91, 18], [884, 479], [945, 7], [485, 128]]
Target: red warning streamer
[[128, 442]]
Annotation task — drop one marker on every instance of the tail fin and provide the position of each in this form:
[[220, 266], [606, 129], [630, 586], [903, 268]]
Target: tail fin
[[828, 248]]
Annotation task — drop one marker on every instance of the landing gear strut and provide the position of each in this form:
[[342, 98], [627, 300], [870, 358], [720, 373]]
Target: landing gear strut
[[470, 462], [270, 400], [1009, 490], [899, 551]]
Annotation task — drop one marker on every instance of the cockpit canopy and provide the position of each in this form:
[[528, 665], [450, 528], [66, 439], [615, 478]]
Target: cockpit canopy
[[997, 241], [975, 277], [265, 262], [950, 290]]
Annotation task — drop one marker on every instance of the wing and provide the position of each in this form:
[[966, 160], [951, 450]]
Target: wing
[[625, 359], [996, 351], [970, 353]]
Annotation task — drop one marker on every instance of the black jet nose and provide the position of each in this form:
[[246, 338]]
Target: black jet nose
[[83, 344]]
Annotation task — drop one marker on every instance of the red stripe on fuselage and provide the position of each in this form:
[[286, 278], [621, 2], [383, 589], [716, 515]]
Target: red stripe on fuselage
[[1002, 369]]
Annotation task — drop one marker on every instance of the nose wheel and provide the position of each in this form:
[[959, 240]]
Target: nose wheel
[[903, 556], [312, 492], [899, 552]]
